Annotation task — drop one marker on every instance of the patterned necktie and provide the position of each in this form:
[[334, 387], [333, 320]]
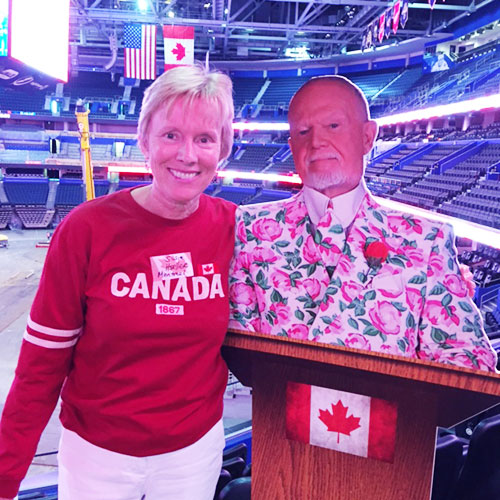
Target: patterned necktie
[[330, 238]]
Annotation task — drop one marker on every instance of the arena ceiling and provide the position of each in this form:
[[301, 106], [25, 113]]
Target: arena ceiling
[[242, 32]]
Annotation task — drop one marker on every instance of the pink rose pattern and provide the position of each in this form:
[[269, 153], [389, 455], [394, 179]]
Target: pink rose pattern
[[266, 229], [420, 307]]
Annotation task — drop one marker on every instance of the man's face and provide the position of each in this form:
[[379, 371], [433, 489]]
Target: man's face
[[329, 136]]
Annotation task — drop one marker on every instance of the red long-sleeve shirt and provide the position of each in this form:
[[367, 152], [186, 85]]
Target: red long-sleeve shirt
[[128, 320]]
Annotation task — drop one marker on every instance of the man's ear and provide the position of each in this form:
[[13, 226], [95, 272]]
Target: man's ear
[[290, 144], [370, 131]]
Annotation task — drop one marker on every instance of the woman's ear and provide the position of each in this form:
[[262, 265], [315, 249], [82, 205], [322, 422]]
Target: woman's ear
[[144, 147]]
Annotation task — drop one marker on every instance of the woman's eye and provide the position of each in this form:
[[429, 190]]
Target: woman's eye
[[334, 125], [170, 135]]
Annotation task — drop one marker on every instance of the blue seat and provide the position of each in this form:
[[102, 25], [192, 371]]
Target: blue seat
[[480, 476], [239, 450], [234, 466], [224, 479], [237, 489], [447, 464]]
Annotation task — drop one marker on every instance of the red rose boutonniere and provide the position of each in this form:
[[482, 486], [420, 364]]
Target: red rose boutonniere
[[376, 253]]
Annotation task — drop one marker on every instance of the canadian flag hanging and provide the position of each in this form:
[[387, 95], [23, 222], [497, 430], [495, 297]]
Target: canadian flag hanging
[[178, 45], [341, 421]]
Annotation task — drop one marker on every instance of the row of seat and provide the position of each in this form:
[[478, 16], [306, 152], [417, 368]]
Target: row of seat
[[469, 470]]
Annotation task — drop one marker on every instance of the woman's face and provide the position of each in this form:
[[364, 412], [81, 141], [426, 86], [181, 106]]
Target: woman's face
[[183, 149]]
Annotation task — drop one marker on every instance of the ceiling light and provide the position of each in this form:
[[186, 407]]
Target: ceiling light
[[297, 53]]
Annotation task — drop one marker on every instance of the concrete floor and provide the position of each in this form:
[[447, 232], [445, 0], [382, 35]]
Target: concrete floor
[[20, 268]]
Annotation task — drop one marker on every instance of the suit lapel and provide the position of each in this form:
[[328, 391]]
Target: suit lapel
[[369, 225], [353, 273]]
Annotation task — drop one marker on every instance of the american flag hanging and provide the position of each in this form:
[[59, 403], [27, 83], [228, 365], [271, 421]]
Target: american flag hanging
[[139, 41]]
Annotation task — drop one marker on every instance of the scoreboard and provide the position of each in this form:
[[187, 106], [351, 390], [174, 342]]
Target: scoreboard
[[34, 43]]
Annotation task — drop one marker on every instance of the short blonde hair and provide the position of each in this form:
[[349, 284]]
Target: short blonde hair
[[190, 82]]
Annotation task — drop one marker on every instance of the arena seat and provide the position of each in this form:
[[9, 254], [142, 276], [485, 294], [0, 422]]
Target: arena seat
[[101, 188], [283, 167], [34, 217], [237, 489], [240, 450], [224, 479], [270, 195], [247, 471], [235, 194], [245, 90], [5, 215], [234, 466], [69, 192], [281, 90], [480, 476], [26, 191], [448, 462]]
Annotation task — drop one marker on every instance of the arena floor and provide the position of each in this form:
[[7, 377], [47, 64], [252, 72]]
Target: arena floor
[[20, 268]]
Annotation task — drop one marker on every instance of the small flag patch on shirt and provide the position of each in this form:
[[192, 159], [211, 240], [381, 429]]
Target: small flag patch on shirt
[[206, 269], [341, 421]]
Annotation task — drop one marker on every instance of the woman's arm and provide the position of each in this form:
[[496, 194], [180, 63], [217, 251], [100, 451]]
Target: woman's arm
[[53, 328]]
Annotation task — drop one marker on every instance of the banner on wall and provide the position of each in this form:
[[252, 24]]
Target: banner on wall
[[381, 27], [403, 16], [396, 10]]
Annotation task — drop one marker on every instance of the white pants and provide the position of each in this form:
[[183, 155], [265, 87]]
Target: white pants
[[88, 472]]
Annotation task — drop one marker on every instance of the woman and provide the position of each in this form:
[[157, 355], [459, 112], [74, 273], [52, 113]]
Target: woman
[[130, 316]]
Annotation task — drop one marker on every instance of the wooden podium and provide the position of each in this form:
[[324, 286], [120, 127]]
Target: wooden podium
[[428, 395]]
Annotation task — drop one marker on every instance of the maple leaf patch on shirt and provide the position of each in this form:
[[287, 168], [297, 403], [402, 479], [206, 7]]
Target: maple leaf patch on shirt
[[205, 269]]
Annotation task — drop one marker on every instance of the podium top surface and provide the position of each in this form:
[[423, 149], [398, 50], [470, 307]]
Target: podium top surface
[[427, 372]]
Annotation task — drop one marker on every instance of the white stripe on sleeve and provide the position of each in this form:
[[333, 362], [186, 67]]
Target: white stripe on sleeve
[[48, 343], [52, 331]]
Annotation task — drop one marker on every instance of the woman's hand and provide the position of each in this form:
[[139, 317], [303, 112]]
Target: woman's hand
[[467, 276]]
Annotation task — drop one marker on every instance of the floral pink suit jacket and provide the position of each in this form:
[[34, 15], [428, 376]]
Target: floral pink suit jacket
[[414, 304]]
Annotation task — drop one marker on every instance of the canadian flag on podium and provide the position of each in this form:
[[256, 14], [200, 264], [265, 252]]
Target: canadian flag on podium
[[341, 421], [178, 45]]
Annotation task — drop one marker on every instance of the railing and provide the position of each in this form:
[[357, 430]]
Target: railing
[[489, 295]]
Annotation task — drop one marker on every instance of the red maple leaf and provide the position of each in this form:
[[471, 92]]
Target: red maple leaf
[[180, 51], [208, 268], [337, 421]]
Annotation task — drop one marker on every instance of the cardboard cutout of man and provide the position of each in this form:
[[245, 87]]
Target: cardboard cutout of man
[[331, 265]]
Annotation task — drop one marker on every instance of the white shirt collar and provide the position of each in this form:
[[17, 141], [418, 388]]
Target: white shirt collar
[[345, 206]]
